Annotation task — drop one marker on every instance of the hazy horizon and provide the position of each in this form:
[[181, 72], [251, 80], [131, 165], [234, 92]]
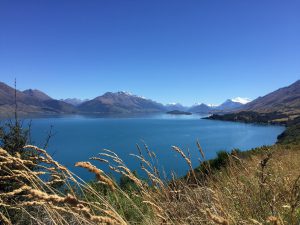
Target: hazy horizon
[[196, 51]]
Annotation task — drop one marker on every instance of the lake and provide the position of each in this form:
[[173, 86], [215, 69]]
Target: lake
[[78, 138]]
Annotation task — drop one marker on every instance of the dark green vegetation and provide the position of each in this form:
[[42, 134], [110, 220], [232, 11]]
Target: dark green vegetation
[[129, 205], [13, 137], [292, 133], [224, 158], [252, 117], [178, 112]]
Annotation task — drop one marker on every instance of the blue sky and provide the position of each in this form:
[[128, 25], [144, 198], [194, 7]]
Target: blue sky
[[168, 50]]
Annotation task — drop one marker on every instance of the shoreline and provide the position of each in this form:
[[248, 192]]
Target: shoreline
[[291, 134]]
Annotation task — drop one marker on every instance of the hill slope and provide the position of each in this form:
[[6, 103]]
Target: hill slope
[[284, 100]]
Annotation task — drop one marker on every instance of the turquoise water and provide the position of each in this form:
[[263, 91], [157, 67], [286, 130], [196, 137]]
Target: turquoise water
[[79, 138]]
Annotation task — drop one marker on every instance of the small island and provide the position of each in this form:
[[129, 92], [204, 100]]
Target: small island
[[178, 112]]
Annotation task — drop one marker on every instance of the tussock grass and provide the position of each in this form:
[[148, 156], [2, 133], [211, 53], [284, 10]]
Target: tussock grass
[[238, 188]]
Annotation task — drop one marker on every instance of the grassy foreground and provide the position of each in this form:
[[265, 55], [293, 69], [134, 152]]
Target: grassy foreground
[[258, 187]]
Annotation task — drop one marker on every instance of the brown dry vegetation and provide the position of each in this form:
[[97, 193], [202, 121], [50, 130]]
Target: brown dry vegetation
[[262, 188]]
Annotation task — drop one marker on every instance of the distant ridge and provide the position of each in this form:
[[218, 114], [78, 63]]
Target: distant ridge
[[201, 108], [228, 105], [30, 102]]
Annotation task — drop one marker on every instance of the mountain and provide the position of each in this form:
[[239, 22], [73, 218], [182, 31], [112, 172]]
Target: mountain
[[37, 94], [7, 96], [74, 101], [201, 108], [175, 106], [284, 100], [30, 102], [120, 102], [229, 105]]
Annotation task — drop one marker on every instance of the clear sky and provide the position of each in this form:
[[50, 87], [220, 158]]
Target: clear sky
[[168, 50]]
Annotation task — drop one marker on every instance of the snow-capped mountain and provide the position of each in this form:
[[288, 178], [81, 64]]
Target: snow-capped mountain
[[232, 104], [241, 100], [74, 101], [228, 105]]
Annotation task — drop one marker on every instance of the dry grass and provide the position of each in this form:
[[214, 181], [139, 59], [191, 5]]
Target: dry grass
[[261, 189]]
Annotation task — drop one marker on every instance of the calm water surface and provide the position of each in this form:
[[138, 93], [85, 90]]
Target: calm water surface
[[79, 138]]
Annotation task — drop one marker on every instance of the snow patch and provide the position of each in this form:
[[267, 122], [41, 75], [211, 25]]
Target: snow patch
[[174, 103], [212, 105], [241, 100]]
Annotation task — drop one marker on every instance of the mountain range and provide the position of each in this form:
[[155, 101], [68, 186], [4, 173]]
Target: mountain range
[[34, 102], [30, 102]]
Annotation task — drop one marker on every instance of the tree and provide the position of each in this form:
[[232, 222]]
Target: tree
[[13, 136]]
